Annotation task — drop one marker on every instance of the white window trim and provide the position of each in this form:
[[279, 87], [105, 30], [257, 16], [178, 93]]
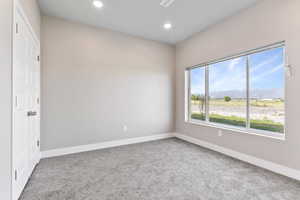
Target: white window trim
[[247, 129]]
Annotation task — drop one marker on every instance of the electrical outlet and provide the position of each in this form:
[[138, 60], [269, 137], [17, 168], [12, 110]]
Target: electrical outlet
[[125, 128], [220, 133]]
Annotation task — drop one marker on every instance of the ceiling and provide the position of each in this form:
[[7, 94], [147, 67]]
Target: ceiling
[[145, 18]]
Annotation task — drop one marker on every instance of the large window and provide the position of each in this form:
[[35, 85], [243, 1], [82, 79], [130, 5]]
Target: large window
[[245, 92]]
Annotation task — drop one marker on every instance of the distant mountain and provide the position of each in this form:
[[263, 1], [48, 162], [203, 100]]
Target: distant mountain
[[230, 93], [257, 93], [275, 93]]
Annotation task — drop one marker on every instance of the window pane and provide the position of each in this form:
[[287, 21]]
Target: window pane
[[227, 92], [197, 100], [267, 90]]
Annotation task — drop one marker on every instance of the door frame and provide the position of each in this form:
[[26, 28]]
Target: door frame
[[18, 9]]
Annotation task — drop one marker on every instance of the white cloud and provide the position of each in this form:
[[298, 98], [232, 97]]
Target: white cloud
[[262, 64], [267, 73], [197, 90], [234, 62], [228, 79], [232, 76], [233, 82]]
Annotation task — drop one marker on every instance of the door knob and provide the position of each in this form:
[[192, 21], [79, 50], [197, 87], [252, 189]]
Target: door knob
[[31, 113]]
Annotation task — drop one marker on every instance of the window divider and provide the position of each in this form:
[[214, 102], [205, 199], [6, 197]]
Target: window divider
[[248, 92], [207, 93], [189, 96]]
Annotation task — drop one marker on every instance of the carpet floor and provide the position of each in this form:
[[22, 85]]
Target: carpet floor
[[168, 169]]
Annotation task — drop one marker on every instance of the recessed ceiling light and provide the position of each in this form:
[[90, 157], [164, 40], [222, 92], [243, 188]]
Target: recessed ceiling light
[[98, 4], [166, 3], [167, 26]]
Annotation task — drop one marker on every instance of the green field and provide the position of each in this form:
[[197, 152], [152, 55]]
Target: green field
[[241, 102], [266, 125]]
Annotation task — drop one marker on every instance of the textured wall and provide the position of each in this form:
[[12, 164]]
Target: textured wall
[[267, 22], [94, 81]]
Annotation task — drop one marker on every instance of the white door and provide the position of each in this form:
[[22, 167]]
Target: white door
[[33, 113], [26, 108]]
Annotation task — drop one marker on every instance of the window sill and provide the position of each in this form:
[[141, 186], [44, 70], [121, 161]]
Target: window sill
[[269, 134]]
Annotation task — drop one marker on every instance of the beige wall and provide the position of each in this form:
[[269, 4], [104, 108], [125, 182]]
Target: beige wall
[[265, 23], [94, 81], [6, 8], [32, 11]]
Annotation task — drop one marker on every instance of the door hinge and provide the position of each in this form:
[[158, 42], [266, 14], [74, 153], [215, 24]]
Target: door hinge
[[16, 175], [16, 101], [17, 28], [38, 58], [38, 143]]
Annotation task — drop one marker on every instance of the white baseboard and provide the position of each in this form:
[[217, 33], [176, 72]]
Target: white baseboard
[[279, 169], [103, 145]]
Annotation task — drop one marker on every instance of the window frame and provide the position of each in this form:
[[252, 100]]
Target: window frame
[[246, 129]]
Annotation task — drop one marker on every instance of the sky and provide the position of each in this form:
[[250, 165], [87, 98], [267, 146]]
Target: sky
[[266, 74]]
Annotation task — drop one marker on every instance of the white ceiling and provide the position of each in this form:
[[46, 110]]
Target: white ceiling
[[145, 18]]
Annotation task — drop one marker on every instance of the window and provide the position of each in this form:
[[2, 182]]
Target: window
[[227, 92], [197, 98], [244, 92], [267, 90]]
